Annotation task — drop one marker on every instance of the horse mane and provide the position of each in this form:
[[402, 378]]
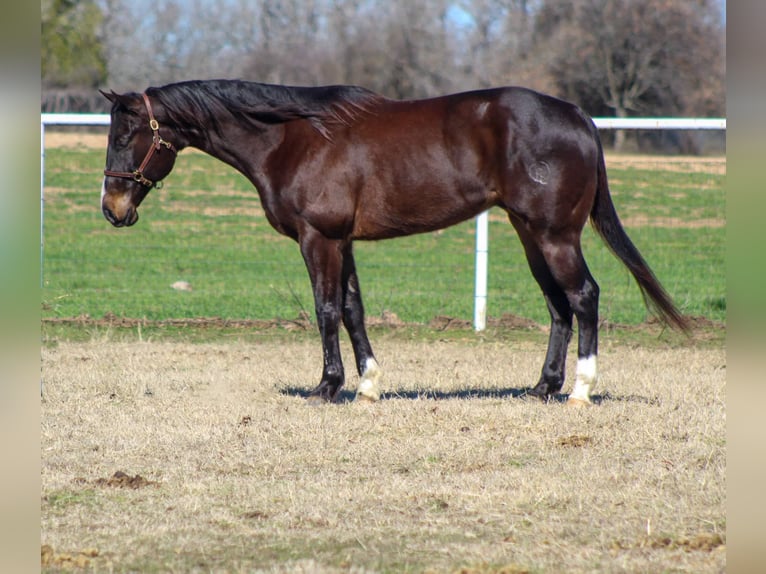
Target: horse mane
[[201, 103]]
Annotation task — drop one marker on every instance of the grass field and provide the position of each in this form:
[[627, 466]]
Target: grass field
[[175, 443], [224, 468], [206, 228]]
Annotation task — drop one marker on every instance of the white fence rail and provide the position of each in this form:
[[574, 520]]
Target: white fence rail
[[482, 221]]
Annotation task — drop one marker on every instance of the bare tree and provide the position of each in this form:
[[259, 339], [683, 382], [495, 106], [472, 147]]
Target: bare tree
[[619, 57], [497, 37], [634, 56], [399, 48], [152, 43]]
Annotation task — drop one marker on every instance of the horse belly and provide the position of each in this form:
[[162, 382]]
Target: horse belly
[[398, 210]]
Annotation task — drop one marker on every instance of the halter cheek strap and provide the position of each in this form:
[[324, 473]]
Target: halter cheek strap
[[157, 143]]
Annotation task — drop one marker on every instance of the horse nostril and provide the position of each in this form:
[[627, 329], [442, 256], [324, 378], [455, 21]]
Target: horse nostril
[[109, 215]]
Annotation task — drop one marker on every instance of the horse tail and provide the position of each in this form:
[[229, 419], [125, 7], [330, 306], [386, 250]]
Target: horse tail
[[606, 222]]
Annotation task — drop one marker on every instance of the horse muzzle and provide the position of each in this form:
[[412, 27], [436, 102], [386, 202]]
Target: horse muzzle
[[126, 220], [118, 207]]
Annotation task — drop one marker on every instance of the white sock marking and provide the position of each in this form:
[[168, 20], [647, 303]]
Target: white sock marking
[[369, 386], [585, 378]]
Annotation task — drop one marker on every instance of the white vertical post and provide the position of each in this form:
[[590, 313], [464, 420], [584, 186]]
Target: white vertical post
[[42, 197], [482, 258]]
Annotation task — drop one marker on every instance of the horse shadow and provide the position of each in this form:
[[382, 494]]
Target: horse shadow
[[348, 396]]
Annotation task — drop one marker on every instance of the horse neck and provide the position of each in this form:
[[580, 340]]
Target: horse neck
[[240, 147]]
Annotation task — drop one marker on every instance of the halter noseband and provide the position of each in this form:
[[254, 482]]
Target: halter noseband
[[138, 174]]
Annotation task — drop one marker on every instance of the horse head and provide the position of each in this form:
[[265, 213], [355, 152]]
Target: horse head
[[137, 157]]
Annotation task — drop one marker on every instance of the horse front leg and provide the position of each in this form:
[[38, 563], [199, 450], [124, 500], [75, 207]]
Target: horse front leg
[[353, 320], [324, 261]]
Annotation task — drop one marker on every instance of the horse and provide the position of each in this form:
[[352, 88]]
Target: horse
[[335, 164]]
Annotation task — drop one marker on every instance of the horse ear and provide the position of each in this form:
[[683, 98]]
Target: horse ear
[[111, 96], [130, 102]]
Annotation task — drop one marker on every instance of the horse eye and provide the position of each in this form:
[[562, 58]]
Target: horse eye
[[122, 138]]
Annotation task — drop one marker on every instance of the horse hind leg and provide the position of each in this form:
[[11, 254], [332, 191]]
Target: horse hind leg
[[553, 372], [584, 301], [569, 290], [568, 267]]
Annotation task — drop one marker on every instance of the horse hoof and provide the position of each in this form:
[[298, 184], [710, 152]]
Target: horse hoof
[[316, 400], [541, 396], [369, 386], [363, 398], [544, 391], [369, 392], [578, 403]]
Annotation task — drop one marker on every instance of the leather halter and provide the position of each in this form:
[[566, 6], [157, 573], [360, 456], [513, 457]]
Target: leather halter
[[138, 174]]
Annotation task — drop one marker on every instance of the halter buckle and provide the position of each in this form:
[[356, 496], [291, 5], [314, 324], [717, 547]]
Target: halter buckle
[[139, 177]]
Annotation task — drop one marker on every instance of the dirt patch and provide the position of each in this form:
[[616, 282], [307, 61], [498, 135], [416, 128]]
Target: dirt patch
[[123, 480], [701, 542], [713, 165], [111, 320], [505, 321], [66, 560], [387, 319], [695, 322], [574, 441]]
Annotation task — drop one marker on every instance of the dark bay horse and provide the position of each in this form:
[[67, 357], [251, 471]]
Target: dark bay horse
[[338, 163]]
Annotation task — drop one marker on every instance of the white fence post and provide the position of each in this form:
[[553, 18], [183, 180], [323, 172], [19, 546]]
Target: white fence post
[[482, 262], [42, 199]]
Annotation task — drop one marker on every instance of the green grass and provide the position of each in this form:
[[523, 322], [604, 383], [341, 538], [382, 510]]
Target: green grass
[[206, 227]]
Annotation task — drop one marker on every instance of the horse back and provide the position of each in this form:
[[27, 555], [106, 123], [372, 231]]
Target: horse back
[[407, 167]]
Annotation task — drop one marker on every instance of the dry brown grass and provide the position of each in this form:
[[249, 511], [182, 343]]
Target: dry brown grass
[[685, 164], [69, 139], [225, 469]]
